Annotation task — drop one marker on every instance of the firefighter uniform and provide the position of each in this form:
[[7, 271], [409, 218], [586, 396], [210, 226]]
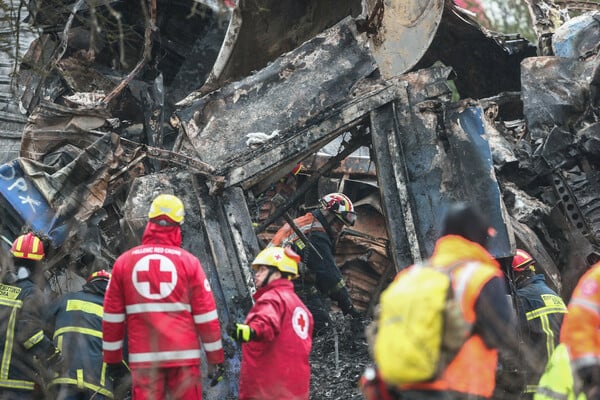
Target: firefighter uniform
[[21, 327], [321, 274], [541, 312], [21, 336], [76, 322]]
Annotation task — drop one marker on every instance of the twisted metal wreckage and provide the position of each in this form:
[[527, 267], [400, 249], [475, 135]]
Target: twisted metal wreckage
[[226, 99]]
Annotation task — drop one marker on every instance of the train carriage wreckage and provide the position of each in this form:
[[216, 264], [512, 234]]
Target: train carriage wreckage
[[403, 106]]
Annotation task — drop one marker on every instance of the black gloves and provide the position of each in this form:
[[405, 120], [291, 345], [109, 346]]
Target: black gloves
[[216, 372], [345, 302], [241, 332], [119, 373], [55, 361]]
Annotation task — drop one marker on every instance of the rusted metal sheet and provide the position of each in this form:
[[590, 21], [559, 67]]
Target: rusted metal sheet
[[404, 31]]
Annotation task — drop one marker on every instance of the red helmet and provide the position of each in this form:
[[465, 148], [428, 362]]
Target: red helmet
[[521, 261], [98, 275], [28, 246], [340, 205]]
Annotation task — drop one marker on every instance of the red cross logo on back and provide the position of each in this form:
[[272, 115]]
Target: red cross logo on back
[[154, 272], [154, 276]]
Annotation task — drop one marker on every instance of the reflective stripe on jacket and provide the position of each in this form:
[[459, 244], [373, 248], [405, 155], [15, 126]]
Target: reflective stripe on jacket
[[541, 311], [76, 320], [21, 334], [324, 271], [580, 331], [473, 369], [556, 383]]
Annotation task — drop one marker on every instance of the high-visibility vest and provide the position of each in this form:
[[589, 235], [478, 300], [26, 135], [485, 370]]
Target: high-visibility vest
[[557, 381]]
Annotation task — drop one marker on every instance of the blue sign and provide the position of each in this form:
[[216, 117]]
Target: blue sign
[[28, 203]]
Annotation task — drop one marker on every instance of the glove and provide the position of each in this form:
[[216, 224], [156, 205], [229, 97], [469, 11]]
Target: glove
[[55, 361], [241, 332], [216, 372], [344, 301], [118, 373]]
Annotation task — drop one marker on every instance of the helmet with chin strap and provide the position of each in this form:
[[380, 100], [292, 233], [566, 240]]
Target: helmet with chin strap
[[340, 205], [282, 258]]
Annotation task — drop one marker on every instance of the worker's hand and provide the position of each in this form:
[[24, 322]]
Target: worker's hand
[[55, 361], [216, 372], [119, 373], [354, 313], [241, 332]]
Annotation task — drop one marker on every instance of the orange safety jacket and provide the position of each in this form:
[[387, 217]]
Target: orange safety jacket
[[580, 330], [286, 236], [473, 370]]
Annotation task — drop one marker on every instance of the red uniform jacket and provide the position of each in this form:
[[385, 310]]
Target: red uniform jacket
[[160, 293], [275, 364]]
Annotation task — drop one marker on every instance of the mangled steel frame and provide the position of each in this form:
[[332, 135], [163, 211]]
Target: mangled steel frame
[[94, 182]]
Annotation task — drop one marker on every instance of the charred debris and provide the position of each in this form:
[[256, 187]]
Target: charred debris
[[403, 107]]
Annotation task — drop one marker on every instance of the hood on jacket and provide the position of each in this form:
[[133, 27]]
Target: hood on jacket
[[158, 234]]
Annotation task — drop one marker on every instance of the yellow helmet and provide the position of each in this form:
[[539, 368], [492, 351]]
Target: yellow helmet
[[168, 205], [284, 259]]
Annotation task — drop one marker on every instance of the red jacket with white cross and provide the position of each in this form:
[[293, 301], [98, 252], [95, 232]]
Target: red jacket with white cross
[[159, 295], [275, 364]]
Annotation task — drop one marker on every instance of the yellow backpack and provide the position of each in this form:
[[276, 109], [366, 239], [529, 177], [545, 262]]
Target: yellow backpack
[[420, 326]]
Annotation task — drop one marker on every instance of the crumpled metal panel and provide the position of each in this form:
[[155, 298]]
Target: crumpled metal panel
[[474, 179], [279, 100], [439, 153], [578, 36], [556, 92], [12, 48]]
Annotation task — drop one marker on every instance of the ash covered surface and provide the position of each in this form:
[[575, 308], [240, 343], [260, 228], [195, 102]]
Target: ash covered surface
[[335, 375]]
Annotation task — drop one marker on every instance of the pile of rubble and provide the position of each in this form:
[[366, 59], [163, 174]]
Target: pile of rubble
[[403, 107]]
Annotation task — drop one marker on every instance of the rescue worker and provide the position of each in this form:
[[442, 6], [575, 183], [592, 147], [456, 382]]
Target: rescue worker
[[540, 311], [277, 332], [22, 337], [75, 320], [472, 372], [321, 275], [580, 332], [160, 295]]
